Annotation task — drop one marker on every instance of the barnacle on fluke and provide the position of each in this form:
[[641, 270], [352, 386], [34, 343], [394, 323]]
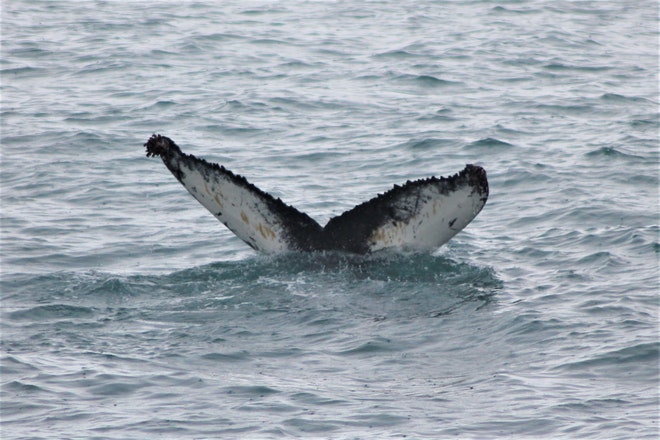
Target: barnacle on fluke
[[420, 215]]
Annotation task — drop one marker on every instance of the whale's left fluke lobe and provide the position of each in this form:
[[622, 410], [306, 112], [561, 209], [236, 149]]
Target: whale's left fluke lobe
[[417, 216], [265, 223]]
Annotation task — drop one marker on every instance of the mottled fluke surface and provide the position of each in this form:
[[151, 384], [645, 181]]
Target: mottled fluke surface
[[418, 216]]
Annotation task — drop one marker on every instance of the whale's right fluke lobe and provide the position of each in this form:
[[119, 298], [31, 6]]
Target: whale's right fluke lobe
[[417, 216]]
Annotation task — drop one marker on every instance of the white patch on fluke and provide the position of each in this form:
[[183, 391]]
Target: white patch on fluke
[[238, 208], [436, 220]]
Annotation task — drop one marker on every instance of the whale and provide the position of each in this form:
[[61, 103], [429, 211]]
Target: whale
[[417, 216]]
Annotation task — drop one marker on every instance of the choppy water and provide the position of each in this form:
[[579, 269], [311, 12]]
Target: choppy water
[[128, 311]]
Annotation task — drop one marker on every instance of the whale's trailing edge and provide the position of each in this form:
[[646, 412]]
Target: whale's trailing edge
[[417, 216]]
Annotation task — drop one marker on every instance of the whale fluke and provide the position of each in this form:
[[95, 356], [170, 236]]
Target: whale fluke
[[417, 216]]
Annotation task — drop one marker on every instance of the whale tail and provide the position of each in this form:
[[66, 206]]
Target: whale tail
[[417, 216]]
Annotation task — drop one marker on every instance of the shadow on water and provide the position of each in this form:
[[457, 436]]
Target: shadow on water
[[378, 286], [382, 266]]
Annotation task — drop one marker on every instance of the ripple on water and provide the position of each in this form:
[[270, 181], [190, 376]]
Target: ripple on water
[[128, 312]]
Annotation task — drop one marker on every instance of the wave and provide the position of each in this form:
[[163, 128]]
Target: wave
[[489, 143], [426, 81], [42, 313], [614, 153], [634, 356]]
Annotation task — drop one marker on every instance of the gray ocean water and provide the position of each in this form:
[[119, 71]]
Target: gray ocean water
[[128, 311]]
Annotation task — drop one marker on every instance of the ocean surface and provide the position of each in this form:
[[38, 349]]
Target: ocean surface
[[128, 311]]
